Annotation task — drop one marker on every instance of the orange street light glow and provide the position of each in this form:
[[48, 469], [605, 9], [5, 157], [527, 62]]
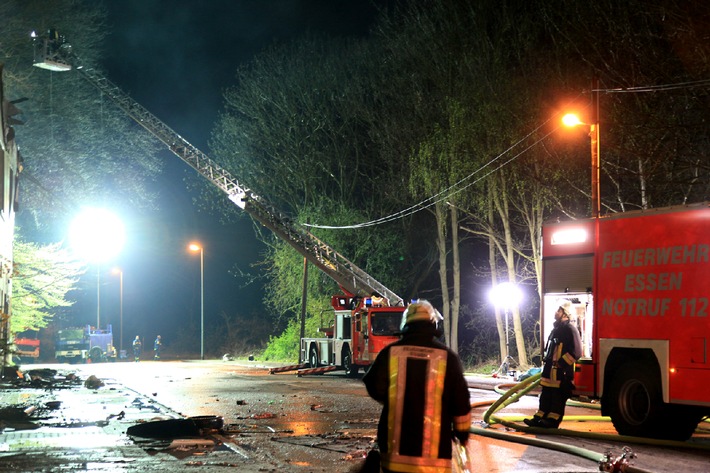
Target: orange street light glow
[[571, 120]]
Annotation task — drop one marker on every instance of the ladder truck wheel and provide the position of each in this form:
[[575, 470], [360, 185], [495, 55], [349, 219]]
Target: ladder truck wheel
[[636, 402], [313, 357], [683, 421], [351, 369], [96, 354]]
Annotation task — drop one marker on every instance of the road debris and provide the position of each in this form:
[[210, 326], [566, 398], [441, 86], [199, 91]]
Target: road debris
[[177, 428], [92, 382], [355, 447]]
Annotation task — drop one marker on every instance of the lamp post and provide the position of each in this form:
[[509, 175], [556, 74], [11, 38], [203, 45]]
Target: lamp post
[[505, 295], [98, 235], [596, 198], [572, 120], [120, 304], [98, 296], [196, 247]]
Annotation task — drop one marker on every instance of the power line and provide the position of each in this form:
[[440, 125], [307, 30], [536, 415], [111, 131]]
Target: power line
[[446, 193], [658, 88], [451, 190]]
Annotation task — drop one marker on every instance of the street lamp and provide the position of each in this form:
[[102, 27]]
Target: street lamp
[[120, 275], [196, 247], [505, 295], [572, 120]]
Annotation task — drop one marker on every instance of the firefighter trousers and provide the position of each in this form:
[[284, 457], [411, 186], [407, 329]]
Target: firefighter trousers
[[553, 401]]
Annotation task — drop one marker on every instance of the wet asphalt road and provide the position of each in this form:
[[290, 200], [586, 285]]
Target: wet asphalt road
[[277, 422]]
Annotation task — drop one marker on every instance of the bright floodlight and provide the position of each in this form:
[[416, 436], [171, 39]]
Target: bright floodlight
[[506, 295], [97, 234]]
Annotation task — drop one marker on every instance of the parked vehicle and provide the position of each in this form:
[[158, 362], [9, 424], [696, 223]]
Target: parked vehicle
[[638, 282], [26, 348], [355, 338], [84, 344]]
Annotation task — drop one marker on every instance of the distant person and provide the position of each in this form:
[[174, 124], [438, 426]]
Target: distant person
[[564, 348], [137, 348], [424, 396], [157, 348]]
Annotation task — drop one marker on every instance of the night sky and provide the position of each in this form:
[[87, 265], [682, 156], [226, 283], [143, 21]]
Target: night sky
[[175, 58]]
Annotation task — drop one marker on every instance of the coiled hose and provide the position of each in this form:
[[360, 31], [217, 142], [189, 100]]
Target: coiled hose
[[513, 394]]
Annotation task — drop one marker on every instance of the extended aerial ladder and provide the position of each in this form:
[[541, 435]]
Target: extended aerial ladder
[[55, 54]]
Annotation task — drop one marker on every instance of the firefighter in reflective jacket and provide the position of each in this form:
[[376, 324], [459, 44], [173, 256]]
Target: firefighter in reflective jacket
[[424, 394], [564, 347]]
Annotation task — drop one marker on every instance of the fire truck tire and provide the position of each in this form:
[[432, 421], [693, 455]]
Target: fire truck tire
[[637, 403], [96, 354], [313, 357], [347, 357], [683, 422]]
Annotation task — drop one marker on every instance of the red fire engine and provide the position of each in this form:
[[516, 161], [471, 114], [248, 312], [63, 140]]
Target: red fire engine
[[639, 285], [362, 328]]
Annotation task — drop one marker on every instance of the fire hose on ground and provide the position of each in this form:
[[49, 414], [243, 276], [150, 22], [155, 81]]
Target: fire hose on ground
[[607, 462]]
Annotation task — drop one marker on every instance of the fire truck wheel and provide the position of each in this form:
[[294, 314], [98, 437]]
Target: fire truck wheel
[[636, 402], [347, 357], [96, 354], [682, 422], [313, 357]]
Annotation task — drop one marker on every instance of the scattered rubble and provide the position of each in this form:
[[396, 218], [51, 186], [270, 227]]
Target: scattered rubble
[[92, 382], [27, 415], [197, 426], [43, 378], [137, 421]]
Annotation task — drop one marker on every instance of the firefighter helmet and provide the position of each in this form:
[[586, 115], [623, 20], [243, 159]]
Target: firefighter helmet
[[566, 307], [421, 311]]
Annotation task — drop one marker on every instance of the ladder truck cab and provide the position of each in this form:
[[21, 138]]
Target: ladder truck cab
[[638, 282], [362, 327]]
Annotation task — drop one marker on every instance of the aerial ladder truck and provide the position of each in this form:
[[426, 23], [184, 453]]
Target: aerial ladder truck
[[363, 324]]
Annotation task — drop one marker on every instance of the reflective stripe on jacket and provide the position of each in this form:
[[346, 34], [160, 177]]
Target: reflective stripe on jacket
[[425, 370], [424, 394]]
